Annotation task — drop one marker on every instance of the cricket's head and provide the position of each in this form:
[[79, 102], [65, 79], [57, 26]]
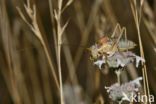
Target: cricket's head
[[93, 50]]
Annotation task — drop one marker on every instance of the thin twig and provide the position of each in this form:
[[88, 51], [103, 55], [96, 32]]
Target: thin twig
[[35, 28], [60, 30], [137, 19]]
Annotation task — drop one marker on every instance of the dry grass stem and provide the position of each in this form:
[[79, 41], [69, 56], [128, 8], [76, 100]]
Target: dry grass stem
[[137, 18], [34, 27]]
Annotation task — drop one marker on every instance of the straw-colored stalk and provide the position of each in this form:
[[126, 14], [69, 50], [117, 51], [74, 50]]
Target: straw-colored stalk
[[35, 28], [137, 18], [60, 30]]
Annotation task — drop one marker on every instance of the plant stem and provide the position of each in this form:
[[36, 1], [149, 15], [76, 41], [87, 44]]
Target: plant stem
[[59, 29], [118, 73], [50, 63], [137, 22]]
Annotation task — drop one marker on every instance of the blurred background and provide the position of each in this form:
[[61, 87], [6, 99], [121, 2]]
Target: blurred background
[[25, 75]]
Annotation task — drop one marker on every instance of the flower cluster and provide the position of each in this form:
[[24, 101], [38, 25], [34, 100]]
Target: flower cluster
[[115, 54], [124, 92], [119, 59]]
